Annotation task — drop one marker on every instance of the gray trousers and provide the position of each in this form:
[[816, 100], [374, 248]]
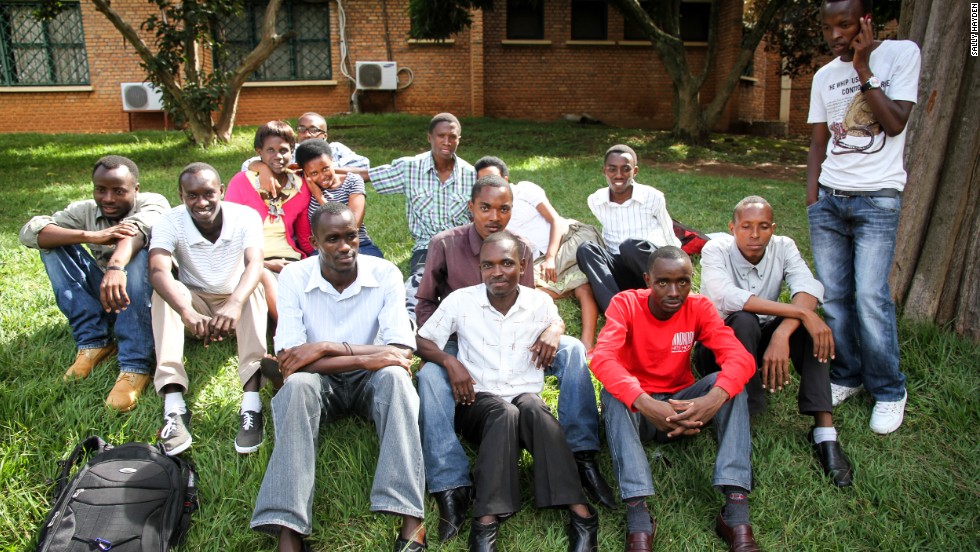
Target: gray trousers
[[388, 398]]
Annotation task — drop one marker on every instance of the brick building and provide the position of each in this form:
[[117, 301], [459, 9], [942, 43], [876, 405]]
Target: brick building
[[516, 61]]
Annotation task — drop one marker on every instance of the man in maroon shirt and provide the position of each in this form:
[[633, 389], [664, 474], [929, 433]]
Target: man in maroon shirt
[[643, 360]]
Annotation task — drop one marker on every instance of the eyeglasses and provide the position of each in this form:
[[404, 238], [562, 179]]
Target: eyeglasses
[[312, 130]]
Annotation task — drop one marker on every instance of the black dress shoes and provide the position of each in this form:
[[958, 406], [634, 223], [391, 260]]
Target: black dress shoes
[[453, 505], [738, 538], [593, 484], [483, 537], [833, 461], [583, 533], [402, 545]]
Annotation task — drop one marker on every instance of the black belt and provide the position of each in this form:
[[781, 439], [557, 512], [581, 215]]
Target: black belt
[[886, 192]]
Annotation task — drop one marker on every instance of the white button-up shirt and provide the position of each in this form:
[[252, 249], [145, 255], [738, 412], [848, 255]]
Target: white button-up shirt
[[643, 216], [729, 280], [495, 348], [369, 311]]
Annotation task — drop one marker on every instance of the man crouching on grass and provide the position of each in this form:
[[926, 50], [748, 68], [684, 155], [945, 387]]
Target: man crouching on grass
[[643, 359], [333, 308], [498, 396]]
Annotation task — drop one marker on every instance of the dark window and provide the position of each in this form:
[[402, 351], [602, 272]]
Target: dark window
[[306, 56], [589, 20], [35, 52], [694, 22], [525, 20]]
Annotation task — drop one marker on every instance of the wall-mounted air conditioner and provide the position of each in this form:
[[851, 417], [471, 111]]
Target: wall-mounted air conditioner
[[377, 75], [141, 96]]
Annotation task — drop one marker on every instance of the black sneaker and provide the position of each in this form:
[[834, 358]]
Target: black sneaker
[[249, 432], [175, 435]]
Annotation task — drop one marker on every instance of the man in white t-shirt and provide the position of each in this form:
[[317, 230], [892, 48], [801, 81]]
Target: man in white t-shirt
[[218, 247], [635, 222], [859, 106]]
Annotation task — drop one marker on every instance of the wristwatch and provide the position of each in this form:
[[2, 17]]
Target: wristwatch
[[873, 82]]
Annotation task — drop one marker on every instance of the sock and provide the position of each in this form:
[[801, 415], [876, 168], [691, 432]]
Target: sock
[[251, 402], [736, 510], [821, 434], [174, 402], [638, 517]]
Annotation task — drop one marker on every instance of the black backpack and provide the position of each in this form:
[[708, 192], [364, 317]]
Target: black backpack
[[127, 498]]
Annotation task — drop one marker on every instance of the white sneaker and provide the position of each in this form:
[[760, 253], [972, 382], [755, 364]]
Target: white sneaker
[[840, 393], [887, 416]]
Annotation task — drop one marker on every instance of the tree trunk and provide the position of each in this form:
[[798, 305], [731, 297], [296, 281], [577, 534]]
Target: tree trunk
[[935, 275]]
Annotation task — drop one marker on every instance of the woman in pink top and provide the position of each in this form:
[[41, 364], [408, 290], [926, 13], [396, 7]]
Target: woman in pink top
[[281, 202]]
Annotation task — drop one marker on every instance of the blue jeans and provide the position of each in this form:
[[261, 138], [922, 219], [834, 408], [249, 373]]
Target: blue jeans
[[626, 432], [853, 241], [308, 400], [75, 279], [446, 464]]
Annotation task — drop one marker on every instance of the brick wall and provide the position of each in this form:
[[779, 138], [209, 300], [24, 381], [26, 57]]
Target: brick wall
[[473, 75]]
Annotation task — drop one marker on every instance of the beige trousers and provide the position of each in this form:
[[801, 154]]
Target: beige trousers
[[168, 334]]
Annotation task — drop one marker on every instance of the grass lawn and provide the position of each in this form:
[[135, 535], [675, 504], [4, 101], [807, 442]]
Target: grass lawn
[[913, 490]]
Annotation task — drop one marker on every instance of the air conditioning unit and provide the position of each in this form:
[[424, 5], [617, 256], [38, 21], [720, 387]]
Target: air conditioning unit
[[141, 96], [377, 75]]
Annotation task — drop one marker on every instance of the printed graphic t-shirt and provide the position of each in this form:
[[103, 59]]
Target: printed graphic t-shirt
[[860, 156]]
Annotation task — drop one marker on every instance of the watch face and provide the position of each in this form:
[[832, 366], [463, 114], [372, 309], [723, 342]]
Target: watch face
[[874, 82]]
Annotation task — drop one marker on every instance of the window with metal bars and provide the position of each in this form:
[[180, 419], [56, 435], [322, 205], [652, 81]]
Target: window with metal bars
[[41, 53], [306, 56]]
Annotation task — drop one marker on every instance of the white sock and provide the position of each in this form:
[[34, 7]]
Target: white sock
[[821, 434], [251, 402], [174, 402]]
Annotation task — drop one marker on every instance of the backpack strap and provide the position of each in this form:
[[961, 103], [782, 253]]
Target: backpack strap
[[93, 444]]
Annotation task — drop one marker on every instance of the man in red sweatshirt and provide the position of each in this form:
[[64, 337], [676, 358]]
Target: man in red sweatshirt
[[643, 360]]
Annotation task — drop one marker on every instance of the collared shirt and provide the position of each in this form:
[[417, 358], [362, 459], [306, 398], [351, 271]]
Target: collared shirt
[[204, 266], [369, 311], [643, 216], [342, 155], [728, 279], [495, 348], [431, 205], [86, 215], [453, 262]]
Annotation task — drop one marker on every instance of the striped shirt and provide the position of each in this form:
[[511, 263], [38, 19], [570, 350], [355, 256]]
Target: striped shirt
[[353, 184], [369, 311], [204, 266], [642, 217], [431, 206]]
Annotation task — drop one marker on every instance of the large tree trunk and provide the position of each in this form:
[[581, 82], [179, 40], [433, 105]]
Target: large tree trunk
[[936, 275]]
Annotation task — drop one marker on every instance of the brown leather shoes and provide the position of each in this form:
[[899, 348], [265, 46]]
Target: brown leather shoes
[[127, 391], [738, 538], [641, 542], [86, 359]]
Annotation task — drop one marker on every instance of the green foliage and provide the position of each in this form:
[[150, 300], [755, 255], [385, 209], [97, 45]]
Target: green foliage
[[796, 33], [440, 19], [178, 27], [915, 489]]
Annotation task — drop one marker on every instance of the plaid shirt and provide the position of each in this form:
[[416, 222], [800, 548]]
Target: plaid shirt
[[431, 206]]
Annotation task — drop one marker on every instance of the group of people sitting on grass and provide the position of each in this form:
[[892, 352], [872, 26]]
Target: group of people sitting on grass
[[285, 243]]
